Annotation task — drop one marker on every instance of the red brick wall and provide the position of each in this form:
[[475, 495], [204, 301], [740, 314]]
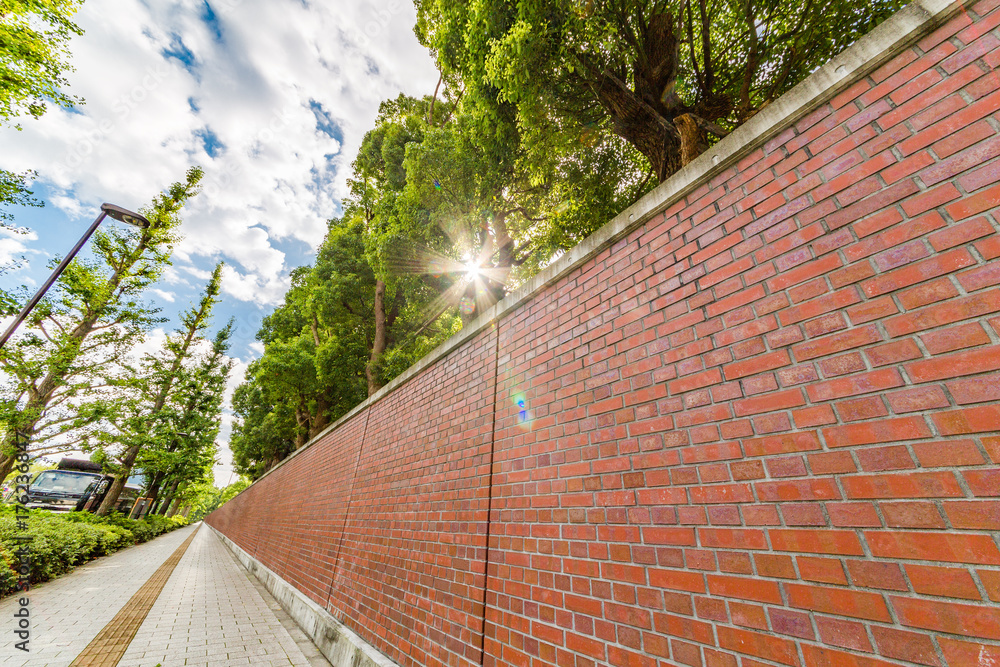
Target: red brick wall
[[761, 429]]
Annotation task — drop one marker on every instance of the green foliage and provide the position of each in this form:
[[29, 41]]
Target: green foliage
[[64, 370], [33, 54], [211, 498], [631, 68], [60, 542], [33, 60]]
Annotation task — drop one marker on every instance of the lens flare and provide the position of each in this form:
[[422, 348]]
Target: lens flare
[[523, 416]]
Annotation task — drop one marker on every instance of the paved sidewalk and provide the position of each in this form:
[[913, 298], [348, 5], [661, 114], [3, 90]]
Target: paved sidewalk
[[69, 612], [210, 612]]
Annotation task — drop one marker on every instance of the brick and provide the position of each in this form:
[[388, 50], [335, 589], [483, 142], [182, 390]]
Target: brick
[[759, 364], [814, 416], [973, 514], [846, 515], [983, 482], [819, 306], [875, 574], [839, 601], [822, 570], [907, 646], [872, 204], [773, 648], [952, 618], [975, 390], [912, 515], [931, 292], [782, 444], [980, 277], [946, 582], [894, 457], [991, 583], [846, 634], [895, 236], [886, 430], [979, 419], [954, 338], [950, 548], [823, 656], [918, 272], [958, 652], [974, 204], [873, 309], [838, 342], [948, 453], [979, 360], [953, 310], [860, 383], [893, 353], [831, 462], [960, 234], [858, 409], [808, 489], [929, 199], [744, 589], [903, 485], [917, 399], [781, 400], [834, 542]]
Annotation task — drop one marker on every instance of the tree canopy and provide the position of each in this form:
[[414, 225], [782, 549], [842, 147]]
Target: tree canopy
[[664, 75]]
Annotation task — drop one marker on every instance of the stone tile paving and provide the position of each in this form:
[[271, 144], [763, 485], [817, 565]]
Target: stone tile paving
[[67, 613], [213, 612]]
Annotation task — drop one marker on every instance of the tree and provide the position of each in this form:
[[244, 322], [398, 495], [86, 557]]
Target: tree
[[664, 75], [183, 454], [146, 415], [75, 343], [33, 61], [206, 498]]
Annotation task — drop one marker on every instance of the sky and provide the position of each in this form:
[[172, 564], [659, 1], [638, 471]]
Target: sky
[[270, 97]]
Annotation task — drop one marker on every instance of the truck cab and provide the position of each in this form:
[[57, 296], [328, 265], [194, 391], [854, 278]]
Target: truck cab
[[60, 490]]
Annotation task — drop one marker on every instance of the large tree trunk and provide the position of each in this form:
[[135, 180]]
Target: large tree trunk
[[694, 140], [153, 494], [169, 497], [381, 339], [649, 114]]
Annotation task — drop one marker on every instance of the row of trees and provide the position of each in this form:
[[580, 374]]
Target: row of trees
[[550, 117], [71, 380]]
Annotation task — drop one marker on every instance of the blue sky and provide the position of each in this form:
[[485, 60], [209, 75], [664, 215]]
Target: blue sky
[[270, 97]]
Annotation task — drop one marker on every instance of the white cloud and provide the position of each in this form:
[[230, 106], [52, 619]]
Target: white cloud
[[169, 297], [14, 246], [270, 97]]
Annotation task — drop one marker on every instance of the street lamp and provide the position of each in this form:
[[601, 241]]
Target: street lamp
[[116, 212]]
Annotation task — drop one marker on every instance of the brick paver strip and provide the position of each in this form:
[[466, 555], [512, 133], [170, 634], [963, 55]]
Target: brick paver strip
[[110, 644]]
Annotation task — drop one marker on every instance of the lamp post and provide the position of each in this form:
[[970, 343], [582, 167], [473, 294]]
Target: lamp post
[[116, 212]]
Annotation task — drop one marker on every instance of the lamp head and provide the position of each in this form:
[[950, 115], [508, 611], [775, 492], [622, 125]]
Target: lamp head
[[124, 215]]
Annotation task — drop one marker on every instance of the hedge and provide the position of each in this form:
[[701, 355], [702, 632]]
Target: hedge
[[63, 541]]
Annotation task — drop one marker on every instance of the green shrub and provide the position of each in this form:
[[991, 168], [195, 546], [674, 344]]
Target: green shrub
[[60, 542]]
